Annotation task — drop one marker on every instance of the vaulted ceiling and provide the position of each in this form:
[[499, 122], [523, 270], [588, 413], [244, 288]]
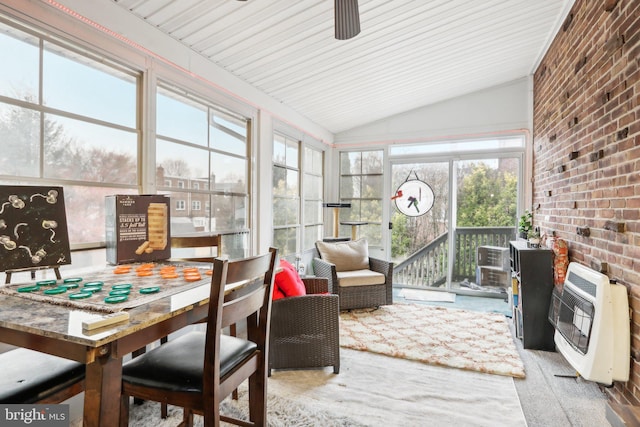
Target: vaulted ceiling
[[409, 53]]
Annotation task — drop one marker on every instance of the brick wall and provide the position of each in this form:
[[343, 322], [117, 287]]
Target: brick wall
[[586, 149]]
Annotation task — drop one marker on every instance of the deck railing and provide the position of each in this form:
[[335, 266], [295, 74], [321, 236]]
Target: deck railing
[[427, 267]]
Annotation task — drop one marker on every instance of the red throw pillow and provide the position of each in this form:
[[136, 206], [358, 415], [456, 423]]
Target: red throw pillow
[[288, 282]]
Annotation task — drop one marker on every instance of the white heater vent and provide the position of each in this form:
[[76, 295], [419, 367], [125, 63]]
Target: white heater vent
[[591, 318]]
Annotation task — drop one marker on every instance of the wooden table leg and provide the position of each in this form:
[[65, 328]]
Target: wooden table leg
[[103, 384]]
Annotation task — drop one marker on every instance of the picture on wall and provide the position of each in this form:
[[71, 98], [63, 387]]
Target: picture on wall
[[33, 227]]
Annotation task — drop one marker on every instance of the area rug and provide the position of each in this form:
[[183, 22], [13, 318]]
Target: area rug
[[426, 295], [435, 335], [281, 412], [374, 390]]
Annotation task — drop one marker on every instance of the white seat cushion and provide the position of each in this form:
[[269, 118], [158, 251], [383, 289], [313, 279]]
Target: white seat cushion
[[360, 278]]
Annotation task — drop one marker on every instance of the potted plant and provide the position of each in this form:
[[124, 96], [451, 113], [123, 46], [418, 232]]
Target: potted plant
[[525, 225], [534, 238]]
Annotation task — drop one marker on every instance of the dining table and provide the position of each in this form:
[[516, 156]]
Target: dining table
[[61, 329]]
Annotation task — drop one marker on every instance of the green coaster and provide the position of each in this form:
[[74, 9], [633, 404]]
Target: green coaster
[[54, 291], [47, 283], [69, 285], [121, 286], [80, 295], [116, 292], [94, 284], [116, 299], [33, 288], [72, 280], [151, 290], [86, 288]]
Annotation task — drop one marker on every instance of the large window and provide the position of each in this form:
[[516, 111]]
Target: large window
[[202, 158], [67, 117], [361, 184], [297, 195], [313, 190], [286, 194]]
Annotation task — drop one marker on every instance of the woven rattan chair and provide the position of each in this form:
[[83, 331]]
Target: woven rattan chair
[[362, 295], [305, 329]]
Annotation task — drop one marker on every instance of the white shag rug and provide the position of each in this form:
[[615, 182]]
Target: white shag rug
[[375, 390], [442, 336]]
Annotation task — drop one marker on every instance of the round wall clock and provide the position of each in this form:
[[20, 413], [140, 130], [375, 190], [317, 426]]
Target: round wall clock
[[414, 197]]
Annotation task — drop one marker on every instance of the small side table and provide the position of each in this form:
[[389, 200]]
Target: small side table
[[354, 225]]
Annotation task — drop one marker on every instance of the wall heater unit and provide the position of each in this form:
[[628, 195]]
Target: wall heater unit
[[591, 319]]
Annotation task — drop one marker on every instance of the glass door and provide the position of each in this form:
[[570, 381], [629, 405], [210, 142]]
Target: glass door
[[419, 221], [485, 210]]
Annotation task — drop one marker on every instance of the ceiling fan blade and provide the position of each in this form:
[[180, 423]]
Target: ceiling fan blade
[[347, 19]]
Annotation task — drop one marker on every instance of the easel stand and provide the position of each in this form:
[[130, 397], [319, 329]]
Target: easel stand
[[32, 270]]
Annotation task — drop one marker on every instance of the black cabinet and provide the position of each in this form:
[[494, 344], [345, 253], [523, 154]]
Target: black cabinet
[[532, 286]]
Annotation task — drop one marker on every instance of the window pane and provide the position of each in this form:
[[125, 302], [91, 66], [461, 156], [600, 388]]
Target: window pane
[[279, 181], [311, 235], [20, 136], [350, 187], [229, 213], [312, 212], [313, 187], [84, 151], [372, 187], [85, 211], [179, 118], [19, 76], [177, 160], [228, 136], [285, 240], [313, 161], [350, 163], [292, 183], [228, 173], [279, 150], [77, 84], [292, 154], [372, 162]]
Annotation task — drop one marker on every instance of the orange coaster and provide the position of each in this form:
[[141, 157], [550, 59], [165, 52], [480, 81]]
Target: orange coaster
[[144, 273], [209, 272], [188, 270], [122, 269], [169, 275], [192, 277]]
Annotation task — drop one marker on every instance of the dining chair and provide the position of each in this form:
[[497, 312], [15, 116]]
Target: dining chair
[[196, 371], [191, 248], [31, 377]]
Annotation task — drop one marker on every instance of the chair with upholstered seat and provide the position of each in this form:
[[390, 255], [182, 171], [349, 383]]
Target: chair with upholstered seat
[[358, 279], [32, 377], [197, 370]]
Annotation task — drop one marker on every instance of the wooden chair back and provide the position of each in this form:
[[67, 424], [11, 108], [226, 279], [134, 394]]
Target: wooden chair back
[[198, 241], [250, 302]]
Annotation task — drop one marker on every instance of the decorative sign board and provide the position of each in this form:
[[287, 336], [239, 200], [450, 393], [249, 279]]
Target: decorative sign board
[[137, 228], [33, 228]]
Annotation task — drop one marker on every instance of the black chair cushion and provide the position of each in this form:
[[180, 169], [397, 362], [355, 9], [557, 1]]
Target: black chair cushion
[[177, 365], [29, 376]]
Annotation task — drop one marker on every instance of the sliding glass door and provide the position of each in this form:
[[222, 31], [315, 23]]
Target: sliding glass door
[[447, 201]]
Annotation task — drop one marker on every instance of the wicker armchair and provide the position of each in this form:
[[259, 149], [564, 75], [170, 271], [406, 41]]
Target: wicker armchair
[[304, 329], [361, 295]]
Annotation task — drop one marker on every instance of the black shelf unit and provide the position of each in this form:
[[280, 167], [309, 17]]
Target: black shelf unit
[[532, 275]]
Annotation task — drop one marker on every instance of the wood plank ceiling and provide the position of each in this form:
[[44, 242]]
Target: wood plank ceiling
[[410, 53]]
